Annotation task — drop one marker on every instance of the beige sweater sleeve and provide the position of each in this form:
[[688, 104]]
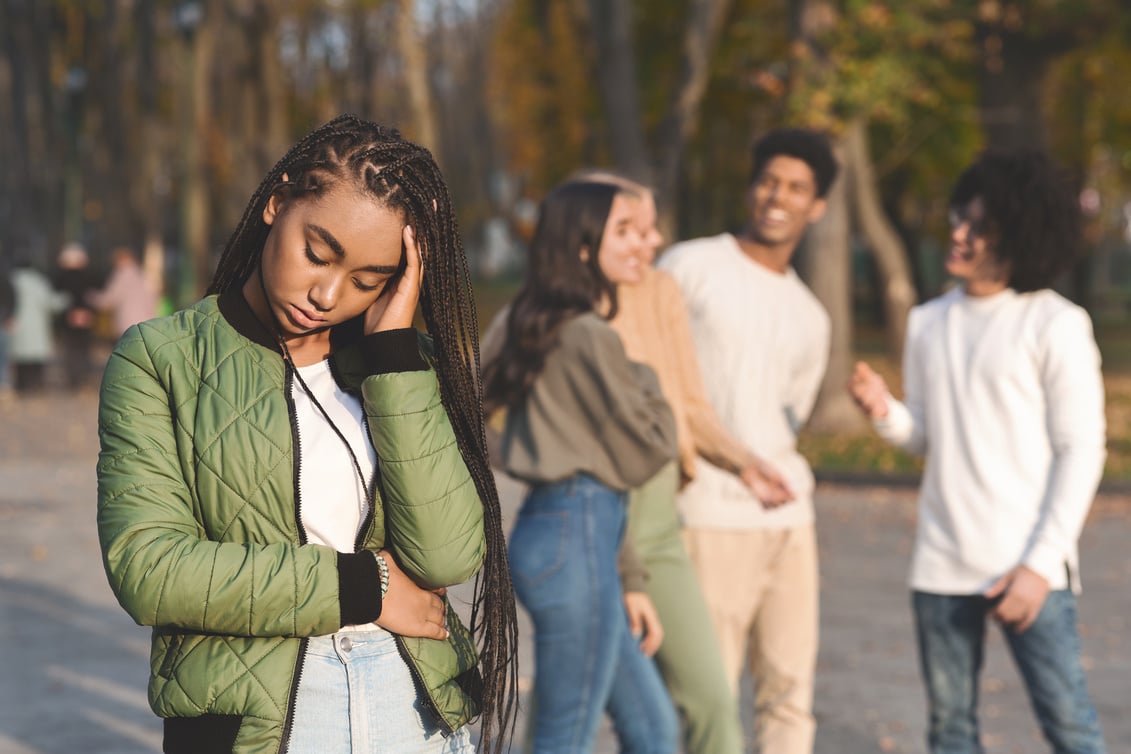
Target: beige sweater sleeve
[[712, 440]]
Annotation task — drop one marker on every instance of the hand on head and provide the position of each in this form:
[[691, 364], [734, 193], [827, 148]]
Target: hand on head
[[395, 308]]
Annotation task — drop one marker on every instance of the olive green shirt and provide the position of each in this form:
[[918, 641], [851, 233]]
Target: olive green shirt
[[591, 411]]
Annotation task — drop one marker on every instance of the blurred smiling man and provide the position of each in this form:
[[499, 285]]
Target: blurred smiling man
[[762, 340]]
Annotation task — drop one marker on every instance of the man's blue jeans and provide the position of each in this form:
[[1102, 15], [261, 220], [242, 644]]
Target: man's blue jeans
[[951, 631], [563, 558]]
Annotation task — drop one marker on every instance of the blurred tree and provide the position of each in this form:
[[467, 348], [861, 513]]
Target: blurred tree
[[853, 64], [1018, 40], [413, 54]]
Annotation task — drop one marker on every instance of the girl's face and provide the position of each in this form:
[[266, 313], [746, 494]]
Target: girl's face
[[650, 235], [622, 245], [327, 259]]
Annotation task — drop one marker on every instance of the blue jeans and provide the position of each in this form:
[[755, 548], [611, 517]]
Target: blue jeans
[[356, 695], [951, 631], [563, 558]]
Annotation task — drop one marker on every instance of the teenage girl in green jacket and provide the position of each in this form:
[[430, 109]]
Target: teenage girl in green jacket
[[290, 477]]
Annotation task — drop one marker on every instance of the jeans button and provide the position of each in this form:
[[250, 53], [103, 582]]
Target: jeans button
[[345, 643]]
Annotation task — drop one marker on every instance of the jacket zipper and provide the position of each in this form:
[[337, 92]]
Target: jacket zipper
[[402, 648], [288, 384], [418, 679], [445, 728]]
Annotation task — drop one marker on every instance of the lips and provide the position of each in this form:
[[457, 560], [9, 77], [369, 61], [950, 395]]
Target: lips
[[303, 319]]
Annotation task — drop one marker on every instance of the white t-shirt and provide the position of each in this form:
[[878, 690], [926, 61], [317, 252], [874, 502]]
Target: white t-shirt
[[1004, 396], [762, 339], [332, 500]]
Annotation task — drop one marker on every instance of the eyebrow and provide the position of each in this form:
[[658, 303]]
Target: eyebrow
[[328, 238]]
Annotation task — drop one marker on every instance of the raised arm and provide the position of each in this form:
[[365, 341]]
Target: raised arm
[[902, 424], [433, 514]]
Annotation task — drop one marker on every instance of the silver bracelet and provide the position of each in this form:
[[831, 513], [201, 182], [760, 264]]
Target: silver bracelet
[[383, 568]]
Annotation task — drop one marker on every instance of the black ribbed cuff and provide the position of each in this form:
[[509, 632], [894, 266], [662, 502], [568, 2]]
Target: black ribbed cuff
[[392, 351], [359, 587]]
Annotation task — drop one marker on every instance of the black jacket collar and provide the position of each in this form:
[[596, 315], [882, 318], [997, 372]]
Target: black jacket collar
[[235, 309]]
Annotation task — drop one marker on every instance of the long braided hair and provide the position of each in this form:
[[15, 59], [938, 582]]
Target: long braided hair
[[403, 176]]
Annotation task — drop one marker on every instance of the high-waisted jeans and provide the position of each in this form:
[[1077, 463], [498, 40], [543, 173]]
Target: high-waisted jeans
[[357, 695], [563, 555]]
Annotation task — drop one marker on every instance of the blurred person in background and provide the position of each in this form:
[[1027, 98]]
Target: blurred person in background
[[762, 341], [75, 325], [652, 321], [127, 294], [32, 345], [584, 425], [1004, 396], [7, 323]]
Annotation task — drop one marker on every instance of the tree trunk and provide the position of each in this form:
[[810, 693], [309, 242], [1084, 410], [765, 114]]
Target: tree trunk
[[826, 260], [1012, 74], [701, 35], [269, 87], [828, 265], [145, 193], [17, 209], [413, 55], [896, 288], [610, 23], [196, 257]]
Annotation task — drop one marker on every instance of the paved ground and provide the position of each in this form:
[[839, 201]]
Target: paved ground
[[73, 666]]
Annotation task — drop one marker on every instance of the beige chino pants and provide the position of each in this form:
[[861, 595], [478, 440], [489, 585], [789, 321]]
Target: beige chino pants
[[761, 588]]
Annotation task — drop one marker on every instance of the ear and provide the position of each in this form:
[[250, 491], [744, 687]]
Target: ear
[[584, 254], [817, 211], [271, 211]]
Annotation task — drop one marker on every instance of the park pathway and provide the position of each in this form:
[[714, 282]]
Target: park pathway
[[73, 666]]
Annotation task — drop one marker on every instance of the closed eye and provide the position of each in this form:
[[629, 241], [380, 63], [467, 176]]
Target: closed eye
[[367, 288], [313, 258]]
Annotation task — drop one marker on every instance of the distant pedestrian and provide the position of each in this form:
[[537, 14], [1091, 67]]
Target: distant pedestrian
[[1003, 394], [75, 325], [33, 344], [291, 475], [584, 425], [762, 340], [7, 325], [127, 293]]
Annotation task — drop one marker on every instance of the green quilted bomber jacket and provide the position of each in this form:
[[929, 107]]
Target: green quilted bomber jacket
[[198, 519]]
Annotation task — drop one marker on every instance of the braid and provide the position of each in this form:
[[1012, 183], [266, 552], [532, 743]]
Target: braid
[[404, 176]]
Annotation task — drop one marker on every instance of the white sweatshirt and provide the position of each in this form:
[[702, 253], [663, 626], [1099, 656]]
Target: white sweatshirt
[[762, 339], [1004, 396]]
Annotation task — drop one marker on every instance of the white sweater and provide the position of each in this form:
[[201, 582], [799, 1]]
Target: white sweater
[[762, 339], [1003, 394]]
